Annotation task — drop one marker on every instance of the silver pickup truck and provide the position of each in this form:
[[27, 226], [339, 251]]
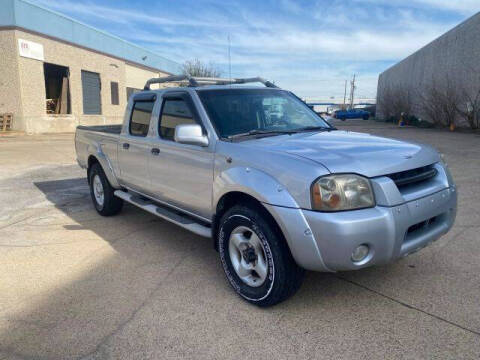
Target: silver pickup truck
[[277, 188]]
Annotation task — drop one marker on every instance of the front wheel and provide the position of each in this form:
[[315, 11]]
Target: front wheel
[[106, 203], [255, 257]]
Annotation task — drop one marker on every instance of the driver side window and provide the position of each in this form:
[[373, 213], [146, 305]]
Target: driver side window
[[174, 112]]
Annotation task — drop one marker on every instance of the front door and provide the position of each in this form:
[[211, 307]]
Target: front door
[[134, 148], [181, 174]]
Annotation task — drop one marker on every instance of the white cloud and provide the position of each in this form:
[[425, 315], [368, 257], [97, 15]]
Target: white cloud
[[462, 6], [465, 7], [291, 6], [125, 16], [310, 48]]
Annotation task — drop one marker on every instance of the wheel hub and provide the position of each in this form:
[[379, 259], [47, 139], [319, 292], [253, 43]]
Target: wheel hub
[[248, 256], [98, 190]]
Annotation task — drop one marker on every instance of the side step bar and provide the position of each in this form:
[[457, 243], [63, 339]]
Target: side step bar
[[166, 214]]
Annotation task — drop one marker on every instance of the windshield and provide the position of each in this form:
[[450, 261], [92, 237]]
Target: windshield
[[241, 111]]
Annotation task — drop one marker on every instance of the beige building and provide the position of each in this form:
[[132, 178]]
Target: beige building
[[53, 80]]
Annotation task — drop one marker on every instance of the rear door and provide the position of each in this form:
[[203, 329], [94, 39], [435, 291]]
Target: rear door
[[181, 174], [134, 147]]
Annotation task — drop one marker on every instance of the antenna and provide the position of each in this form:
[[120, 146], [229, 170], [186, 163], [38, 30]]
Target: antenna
[[229, 61]]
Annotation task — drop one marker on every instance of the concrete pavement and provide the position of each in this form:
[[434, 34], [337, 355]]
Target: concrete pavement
[[74, 285]]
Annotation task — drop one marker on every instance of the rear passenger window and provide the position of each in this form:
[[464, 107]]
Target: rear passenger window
[[175, 112], [140, 120]]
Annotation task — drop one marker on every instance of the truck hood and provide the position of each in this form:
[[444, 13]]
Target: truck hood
[[351, 152]]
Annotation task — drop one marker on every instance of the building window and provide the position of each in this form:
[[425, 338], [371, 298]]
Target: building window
[[140, 120], [114, 92], [131, 91], [57, 89], [92, 104]]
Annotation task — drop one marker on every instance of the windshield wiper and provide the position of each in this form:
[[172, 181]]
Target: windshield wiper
[[280, 132], [261, 132], [315, 128]]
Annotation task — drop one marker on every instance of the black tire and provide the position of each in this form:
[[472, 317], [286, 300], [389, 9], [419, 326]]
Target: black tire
[[365, 117], [284, 276], [111, 204]]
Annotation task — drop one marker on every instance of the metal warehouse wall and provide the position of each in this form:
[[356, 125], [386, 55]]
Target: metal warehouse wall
[[455, 54]]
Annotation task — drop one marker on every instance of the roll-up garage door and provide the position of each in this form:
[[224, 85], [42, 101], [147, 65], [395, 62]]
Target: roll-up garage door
[[91, 93]]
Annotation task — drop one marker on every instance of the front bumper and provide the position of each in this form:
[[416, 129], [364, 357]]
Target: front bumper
[[325, 241]]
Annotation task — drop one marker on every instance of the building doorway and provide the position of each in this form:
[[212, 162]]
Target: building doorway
[[57, 89]]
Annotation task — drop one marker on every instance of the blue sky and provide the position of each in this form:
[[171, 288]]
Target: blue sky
[[310, 47]]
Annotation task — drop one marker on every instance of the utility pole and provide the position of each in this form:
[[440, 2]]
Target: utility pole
[[352, 91], [345, 94]]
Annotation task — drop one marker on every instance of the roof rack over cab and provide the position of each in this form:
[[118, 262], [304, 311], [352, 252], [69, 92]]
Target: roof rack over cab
[[198, 81]]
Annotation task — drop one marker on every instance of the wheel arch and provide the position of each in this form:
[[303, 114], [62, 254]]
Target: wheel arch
[[100, 158], [232, 198], [110, 204], [253, 186], [253, 182]]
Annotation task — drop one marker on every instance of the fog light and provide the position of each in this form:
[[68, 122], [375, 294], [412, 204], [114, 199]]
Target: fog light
[[360, 253]]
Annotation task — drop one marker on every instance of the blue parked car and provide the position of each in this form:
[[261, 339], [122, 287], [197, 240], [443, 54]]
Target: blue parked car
[[351, 114]]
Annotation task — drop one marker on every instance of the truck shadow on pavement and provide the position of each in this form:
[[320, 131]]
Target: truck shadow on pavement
[[136, 274]]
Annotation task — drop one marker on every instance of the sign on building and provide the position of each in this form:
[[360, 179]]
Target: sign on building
[[30, 49]]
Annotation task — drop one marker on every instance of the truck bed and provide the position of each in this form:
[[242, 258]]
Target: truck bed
[[110, 129]]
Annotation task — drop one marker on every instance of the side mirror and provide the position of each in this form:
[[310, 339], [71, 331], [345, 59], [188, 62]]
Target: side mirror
[[190, 134]]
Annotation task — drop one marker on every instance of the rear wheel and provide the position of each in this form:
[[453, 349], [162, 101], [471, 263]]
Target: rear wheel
[[256, 258], [105, 202]]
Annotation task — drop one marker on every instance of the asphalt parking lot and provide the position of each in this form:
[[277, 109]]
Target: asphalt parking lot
[[76, 285]]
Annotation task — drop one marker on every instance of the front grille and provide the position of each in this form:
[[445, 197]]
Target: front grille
[[414, 176]]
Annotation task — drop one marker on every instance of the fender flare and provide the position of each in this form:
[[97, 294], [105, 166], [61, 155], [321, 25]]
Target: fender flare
[[96, 151], [253, 182]]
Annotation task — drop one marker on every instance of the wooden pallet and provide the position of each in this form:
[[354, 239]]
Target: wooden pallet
[[6, 121]]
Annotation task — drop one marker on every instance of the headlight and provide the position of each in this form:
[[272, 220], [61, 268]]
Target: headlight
[[342, 192]]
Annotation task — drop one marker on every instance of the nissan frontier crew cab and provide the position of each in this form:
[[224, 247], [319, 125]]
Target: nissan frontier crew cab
[[277, 188]]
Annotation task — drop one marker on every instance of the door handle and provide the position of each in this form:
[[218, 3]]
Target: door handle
[[126, 146], [155, 151]]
